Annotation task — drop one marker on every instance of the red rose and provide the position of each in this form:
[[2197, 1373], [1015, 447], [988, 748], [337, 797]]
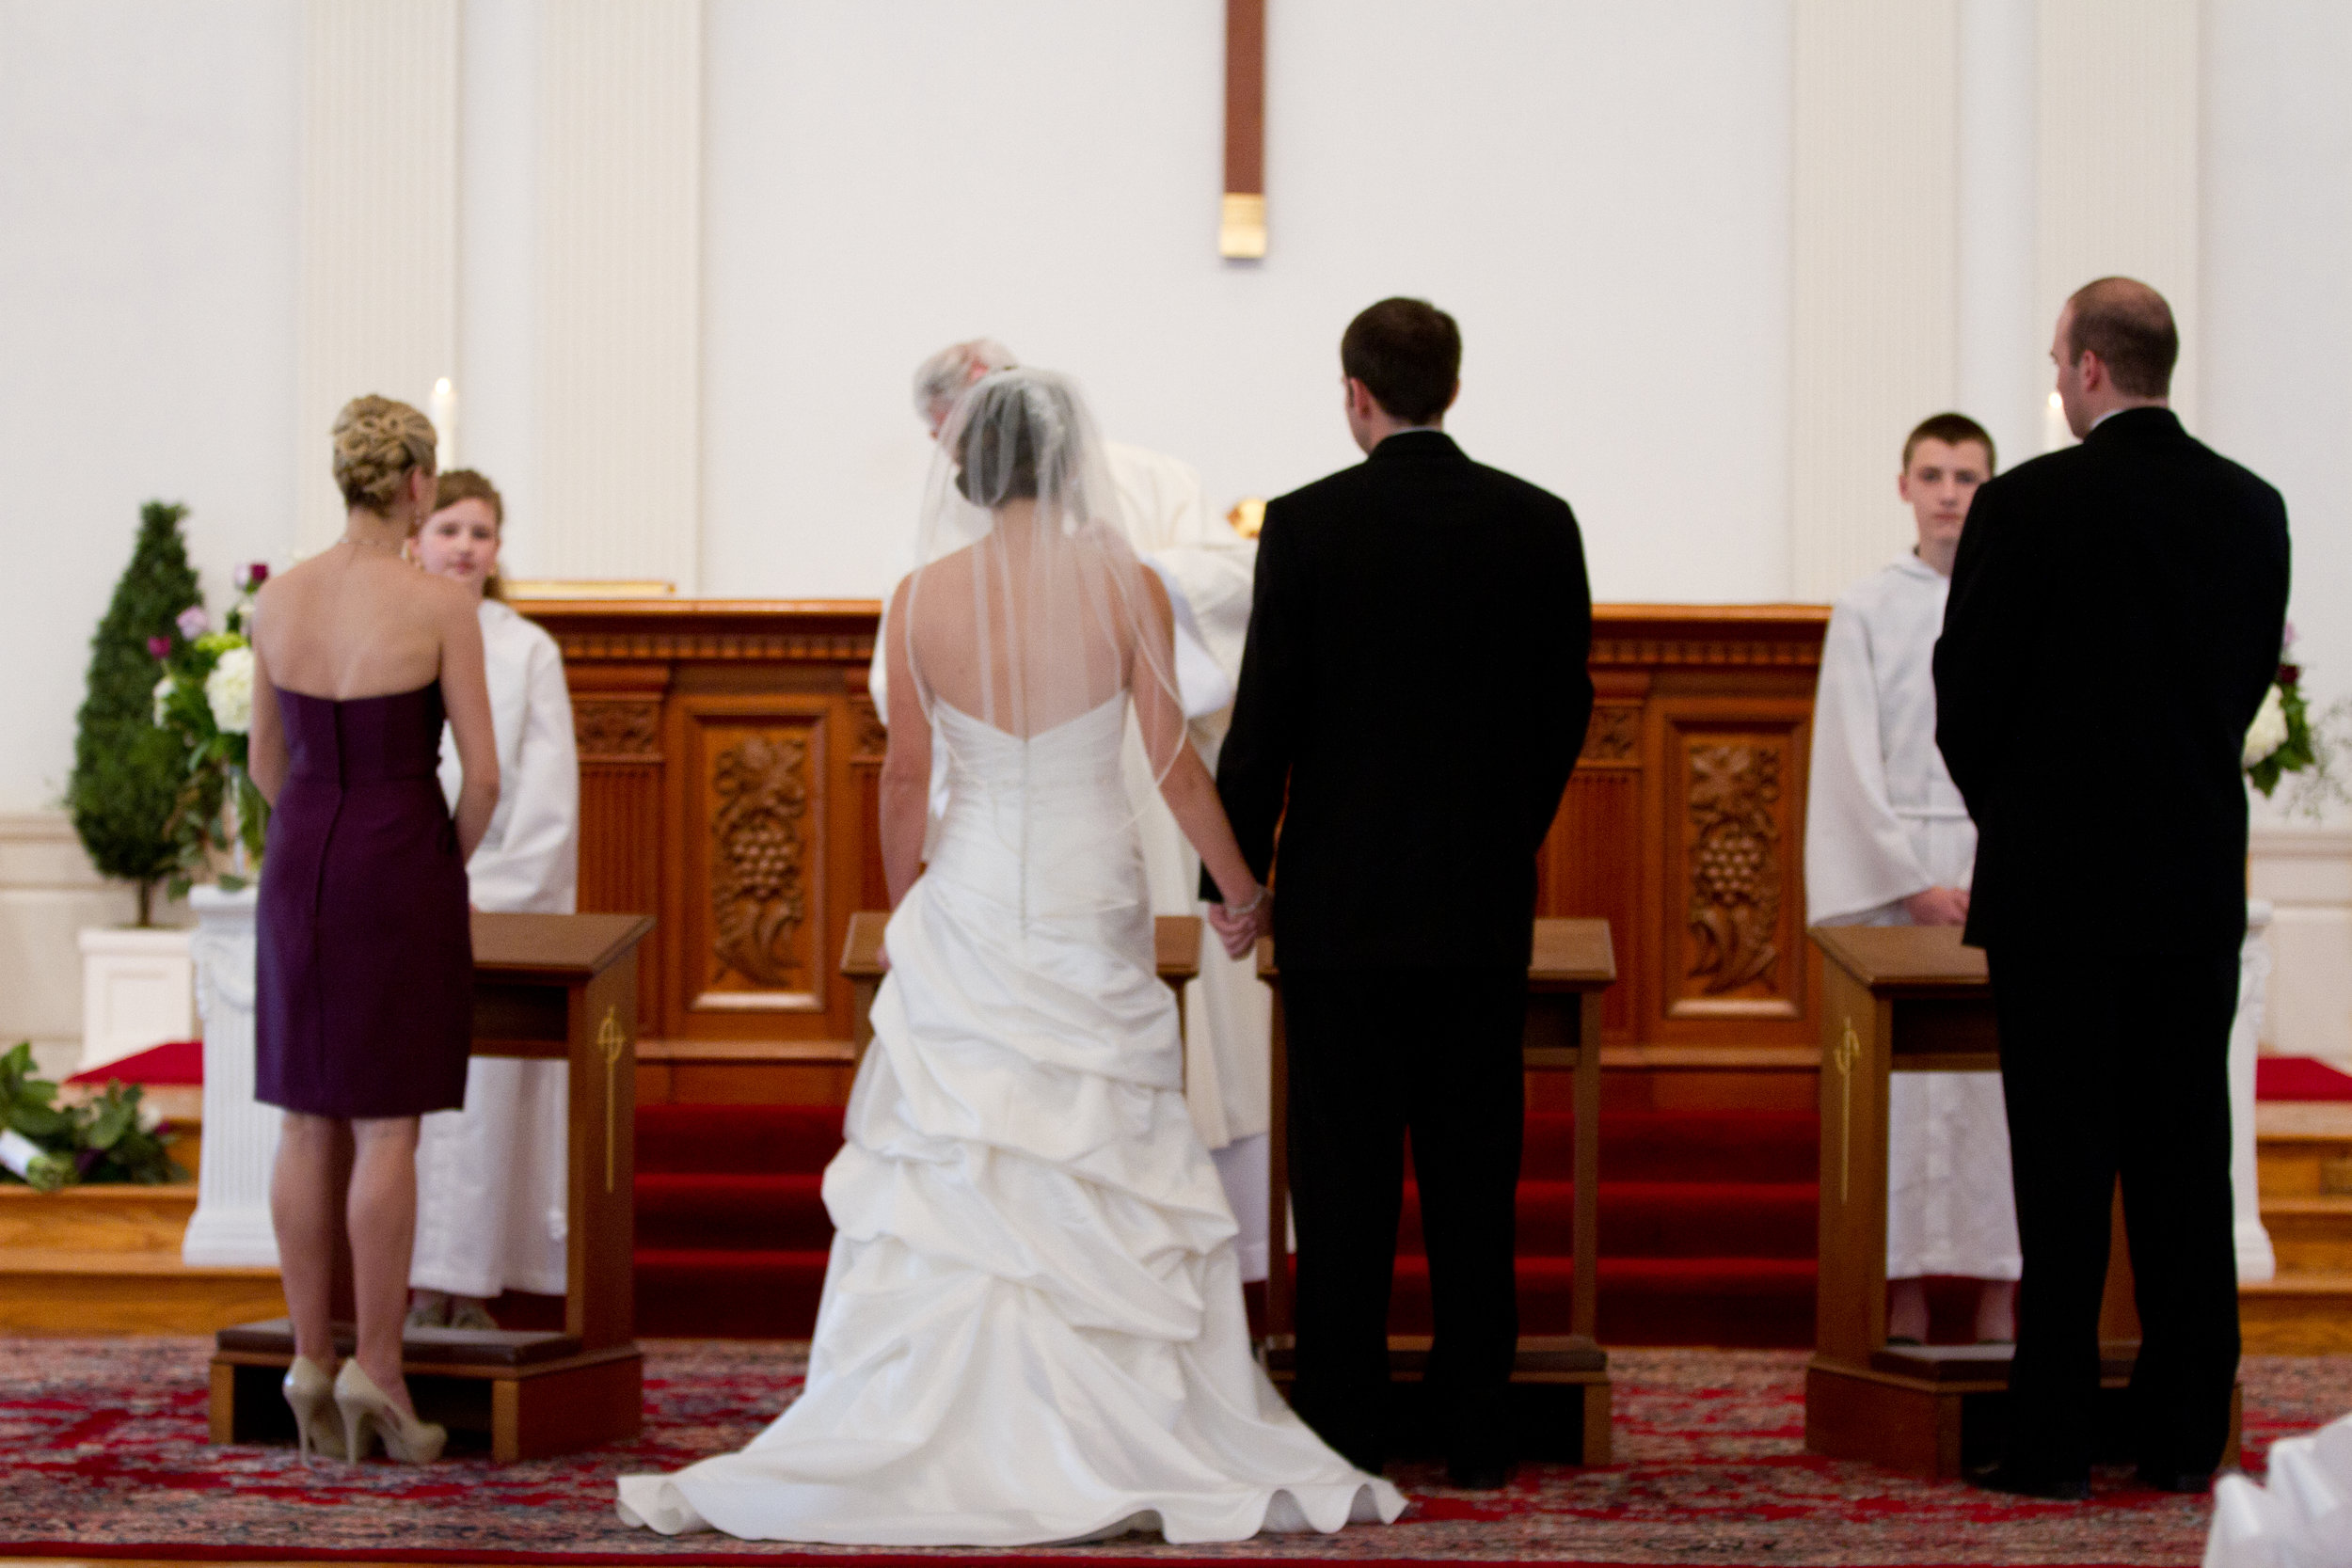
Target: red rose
[[159, 646], [2290, 673]]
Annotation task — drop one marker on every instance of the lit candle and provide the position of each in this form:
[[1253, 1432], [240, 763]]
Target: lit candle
[[2054, 433], [444, 416]]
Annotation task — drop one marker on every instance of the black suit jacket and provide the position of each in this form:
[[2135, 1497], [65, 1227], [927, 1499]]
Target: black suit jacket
[[2114, 622], [1414, 689]]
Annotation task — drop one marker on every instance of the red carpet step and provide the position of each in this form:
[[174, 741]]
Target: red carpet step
[[1708, 1226], [2299, 1078]]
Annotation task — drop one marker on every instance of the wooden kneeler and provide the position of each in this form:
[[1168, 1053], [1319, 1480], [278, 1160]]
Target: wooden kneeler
[[548, 986], [1912, 999], [1560, 1382]]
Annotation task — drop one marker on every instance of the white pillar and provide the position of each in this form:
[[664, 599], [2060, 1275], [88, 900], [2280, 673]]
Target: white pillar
[[377, 304], [2255, 1260], [2117, 128], [619, 238], [1874, 162], [2003, 354], [231, 1224]]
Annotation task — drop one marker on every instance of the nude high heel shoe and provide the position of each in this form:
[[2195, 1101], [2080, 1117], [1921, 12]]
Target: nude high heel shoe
[[366, 1408], [308, 1392]]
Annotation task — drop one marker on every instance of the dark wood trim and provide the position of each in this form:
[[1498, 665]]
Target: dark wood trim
[[1245, 96]]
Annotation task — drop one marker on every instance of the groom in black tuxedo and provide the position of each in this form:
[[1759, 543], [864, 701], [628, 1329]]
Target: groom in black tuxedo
[[1412, 698], [2118, 604]]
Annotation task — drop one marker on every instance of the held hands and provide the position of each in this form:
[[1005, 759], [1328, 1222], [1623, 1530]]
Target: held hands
[[1938, 906], [1238, 926]]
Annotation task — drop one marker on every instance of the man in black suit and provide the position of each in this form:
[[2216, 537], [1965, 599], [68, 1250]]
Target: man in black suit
[[1412, 698], [2116, 615]]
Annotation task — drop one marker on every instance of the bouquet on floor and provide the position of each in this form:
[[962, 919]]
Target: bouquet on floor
[[2287, 738], [114, 1137], [205, 693]]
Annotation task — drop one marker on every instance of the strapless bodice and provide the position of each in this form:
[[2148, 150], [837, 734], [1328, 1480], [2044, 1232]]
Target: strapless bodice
[[362, 741], [1038, 825]]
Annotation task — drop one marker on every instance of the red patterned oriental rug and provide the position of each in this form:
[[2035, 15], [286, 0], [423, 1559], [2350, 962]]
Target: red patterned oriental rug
[[105, 1457]]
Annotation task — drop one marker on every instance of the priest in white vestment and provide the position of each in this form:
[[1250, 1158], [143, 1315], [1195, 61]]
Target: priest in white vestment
[[1208, 570], [1888, 842], [491, 1179]]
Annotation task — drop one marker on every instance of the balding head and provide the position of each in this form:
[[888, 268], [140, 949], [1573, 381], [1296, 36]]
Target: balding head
[[2114, 349], [2129, 327]]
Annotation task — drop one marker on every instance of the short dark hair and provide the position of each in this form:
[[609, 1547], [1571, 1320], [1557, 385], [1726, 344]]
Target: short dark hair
[[1953, 430], [2129, 327], [1409, 355]]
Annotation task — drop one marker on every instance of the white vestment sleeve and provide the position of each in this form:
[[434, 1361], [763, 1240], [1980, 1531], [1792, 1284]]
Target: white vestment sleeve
[[536, 866], [1858, 858]]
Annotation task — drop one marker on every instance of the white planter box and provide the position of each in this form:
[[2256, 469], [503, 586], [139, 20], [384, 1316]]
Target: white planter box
[[138, 989]]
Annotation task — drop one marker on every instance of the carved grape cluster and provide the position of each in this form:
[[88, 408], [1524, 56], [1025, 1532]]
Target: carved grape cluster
[[1729, 864], [763, 851]]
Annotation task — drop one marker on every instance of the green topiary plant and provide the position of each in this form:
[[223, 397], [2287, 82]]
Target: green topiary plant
[[128, 770]]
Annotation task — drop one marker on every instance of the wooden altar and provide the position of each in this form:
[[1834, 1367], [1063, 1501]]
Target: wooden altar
[[560, 987], [730, 761]]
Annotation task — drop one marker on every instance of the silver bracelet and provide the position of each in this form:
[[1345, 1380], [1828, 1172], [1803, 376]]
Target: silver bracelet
[[1251, 907]]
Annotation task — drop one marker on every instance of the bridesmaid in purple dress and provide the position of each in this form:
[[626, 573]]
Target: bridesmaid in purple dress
[[365, 983]]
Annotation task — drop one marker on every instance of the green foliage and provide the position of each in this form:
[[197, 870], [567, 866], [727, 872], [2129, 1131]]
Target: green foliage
[[99, 1141], [128, 770]]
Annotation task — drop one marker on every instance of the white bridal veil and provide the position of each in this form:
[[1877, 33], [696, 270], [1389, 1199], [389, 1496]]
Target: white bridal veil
[[1028, 609]]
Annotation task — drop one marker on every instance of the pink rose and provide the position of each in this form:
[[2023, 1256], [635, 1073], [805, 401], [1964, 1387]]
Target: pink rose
[[194, 623], [159, 646]]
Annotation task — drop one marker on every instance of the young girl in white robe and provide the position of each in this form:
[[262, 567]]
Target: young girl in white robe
[[490, 1179]]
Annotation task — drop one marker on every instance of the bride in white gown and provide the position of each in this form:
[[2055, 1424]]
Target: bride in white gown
[[1032, 1326]]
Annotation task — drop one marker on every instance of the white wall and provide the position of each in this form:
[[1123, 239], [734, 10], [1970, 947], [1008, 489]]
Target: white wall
[[1598, 192], [148, 164]]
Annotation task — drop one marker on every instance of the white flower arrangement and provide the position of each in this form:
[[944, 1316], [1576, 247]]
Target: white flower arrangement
[[229, 690], [206, 693], [2269, 731]]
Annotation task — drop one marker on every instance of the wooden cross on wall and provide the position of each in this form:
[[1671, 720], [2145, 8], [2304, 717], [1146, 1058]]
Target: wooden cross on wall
[[1240, 234]]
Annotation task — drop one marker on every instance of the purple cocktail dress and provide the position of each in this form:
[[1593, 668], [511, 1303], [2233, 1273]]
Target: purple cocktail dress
[[364, 987]]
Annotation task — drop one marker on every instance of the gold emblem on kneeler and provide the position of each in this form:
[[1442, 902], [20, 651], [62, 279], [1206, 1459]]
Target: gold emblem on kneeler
[[1849, 1051], [613, 1041]]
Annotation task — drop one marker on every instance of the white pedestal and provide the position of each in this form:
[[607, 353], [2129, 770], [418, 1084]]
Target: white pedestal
[[2256, 1261], [231, 1224], [138, 989]]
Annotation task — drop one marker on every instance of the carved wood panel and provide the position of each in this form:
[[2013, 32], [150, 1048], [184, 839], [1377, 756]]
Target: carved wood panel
[[1732, 901], [754, 844], [625, 730], [866, 761]]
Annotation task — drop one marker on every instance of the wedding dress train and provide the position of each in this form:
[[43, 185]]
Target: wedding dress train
[[1032, 1326]]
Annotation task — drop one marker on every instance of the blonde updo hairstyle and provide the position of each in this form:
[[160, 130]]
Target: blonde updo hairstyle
[[466, 484], [378, 442]]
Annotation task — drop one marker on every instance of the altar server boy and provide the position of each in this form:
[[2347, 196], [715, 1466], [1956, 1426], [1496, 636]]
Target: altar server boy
[[491, 1194], [1888, 842]]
